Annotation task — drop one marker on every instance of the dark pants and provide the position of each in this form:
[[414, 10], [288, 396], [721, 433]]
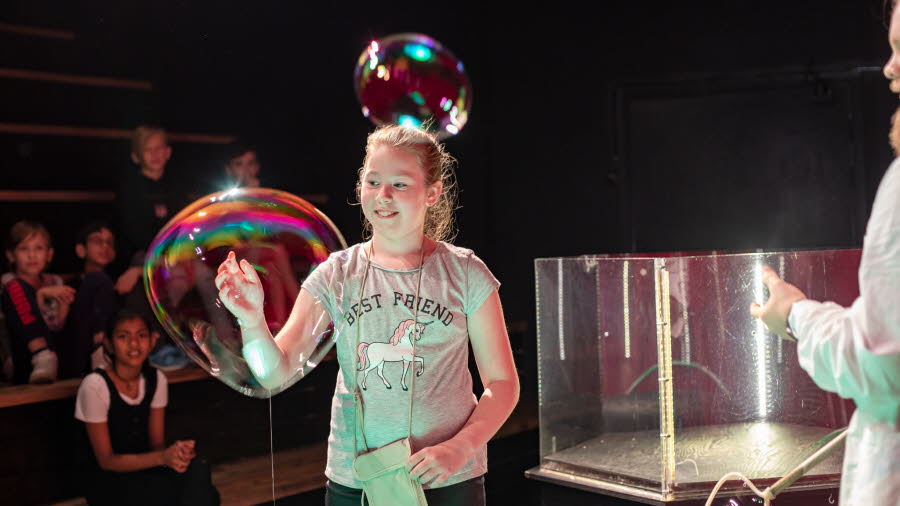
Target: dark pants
[[465, 493], [158, 486]]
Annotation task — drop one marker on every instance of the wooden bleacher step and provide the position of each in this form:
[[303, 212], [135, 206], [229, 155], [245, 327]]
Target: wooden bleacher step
[[55, 77], [17, 395], [105, 133], [36, 31]]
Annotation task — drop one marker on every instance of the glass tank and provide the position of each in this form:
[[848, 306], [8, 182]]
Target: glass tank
[[654, 380]]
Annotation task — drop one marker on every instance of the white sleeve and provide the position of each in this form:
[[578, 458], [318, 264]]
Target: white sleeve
[[879, 271], [92, 401], [855, 351], [831, 348], [161, 397]]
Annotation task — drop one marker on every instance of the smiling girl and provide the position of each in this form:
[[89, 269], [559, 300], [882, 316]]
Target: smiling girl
[[123, 410], [408, 305]]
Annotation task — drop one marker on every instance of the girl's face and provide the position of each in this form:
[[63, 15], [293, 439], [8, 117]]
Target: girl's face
[[31, 256], [394, 194], [131, 342]]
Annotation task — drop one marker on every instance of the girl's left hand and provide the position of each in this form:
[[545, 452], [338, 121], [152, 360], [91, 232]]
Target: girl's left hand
[[436, 464]]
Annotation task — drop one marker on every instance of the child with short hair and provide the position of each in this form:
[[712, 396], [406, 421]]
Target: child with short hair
[[146, 200], [241, 166], [123, 410], [95, 300], [34, 303], [96, 245]]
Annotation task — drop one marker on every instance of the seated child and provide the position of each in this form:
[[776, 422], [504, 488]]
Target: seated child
[[241, 166], [123, 410], [147, 198], [34, 303], [95, 300]]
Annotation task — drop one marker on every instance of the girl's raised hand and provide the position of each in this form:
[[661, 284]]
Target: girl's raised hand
[[241, 291]]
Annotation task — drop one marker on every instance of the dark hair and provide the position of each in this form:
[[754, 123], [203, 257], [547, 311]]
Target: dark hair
[[90, 228], [237, 148], [122, 315]]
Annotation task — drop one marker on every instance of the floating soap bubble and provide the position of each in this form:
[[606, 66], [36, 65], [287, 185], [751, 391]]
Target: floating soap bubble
[[281, 235], [409, 78]]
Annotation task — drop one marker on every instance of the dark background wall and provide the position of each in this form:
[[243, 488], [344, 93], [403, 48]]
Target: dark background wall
[[621, 126], [560, 91]]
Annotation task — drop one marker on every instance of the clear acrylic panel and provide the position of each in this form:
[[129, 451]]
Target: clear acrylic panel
[[654, 380]]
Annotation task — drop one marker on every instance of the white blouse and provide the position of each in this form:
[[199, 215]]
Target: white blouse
[[92, 402]]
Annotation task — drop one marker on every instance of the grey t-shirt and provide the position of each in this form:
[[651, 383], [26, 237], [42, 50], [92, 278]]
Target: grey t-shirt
[[455, 283]]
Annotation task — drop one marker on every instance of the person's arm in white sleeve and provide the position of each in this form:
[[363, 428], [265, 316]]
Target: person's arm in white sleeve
[[879, 272], [854, 351], [831, 348]]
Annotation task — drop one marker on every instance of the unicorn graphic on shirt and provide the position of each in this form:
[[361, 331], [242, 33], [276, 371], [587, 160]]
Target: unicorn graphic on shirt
[[399, 349]]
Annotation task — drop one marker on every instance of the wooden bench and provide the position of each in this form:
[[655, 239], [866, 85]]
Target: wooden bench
[[17, 395]]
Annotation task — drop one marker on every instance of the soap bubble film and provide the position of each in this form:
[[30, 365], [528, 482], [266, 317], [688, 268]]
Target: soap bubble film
[[409, 78], [281, 235]]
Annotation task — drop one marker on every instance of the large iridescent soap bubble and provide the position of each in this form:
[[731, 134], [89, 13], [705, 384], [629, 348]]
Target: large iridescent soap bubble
[[281, 235], [409, 78]]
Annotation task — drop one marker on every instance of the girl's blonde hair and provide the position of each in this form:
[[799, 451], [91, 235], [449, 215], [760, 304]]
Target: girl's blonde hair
[[438, 166]]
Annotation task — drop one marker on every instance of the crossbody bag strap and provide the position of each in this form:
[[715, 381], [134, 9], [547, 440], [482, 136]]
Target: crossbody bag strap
[[415, 337], [357, 394]]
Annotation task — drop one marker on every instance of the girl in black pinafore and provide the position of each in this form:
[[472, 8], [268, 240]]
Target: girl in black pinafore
[[123, 408]]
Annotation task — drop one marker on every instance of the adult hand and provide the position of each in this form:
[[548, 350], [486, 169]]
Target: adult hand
[[240, 290], [435, 465], [62, 293], [127, 280], [782, 295]]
